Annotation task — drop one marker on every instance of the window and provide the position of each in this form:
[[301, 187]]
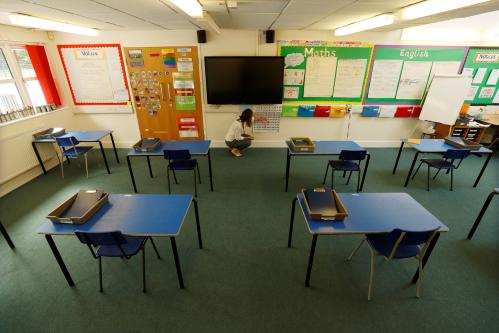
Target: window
[[10, 99], [28, 73]]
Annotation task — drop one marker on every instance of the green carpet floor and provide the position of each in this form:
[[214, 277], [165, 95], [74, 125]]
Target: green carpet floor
[[246, 279]]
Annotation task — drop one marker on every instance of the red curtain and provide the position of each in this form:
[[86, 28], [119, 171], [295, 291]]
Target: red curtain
[[42, 69]]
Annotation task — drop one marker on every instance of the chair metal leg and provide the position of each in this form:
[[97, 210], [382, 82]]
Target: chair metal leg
[[417, 169], [144, 269], [155, 249], [62, 166], [358, 181], [168, 177], [436, 174], [100, 275], [371, 275], [344, 173], [195, 183], [86, 164], [199, 174], [356, 249], [451, 179], [175, 177], [325, 175], [420, 279], [428, 179], [349, 176]]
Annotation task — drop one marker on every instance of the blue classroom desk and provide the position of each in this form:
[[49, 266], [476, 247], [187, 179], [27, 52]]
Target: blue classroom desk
[[324, 148], [370, 213], [82, 136], [429, 146], [195, 147], [149, 215]]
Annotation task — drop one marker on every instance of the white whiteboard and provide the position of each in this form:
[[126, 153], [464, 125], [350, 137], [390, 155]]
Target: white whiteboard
[[95, 74], [445, 98]]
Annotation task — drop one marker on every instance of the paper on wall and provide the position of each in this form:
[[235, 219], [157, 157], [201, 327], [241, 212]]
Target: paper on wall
[[356, 108], [413, 79], [467, 72], [471, 93], [387, 111], [349, 78], [185, 66], [319, 76], [294, 77], [385, 77], [480, 74], [494, 75], [487, 92], [496, 97], [291, 92]]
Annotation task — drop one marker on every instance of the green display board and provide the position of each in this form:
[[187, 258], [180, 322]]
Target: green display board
[[483, 65], [401, 74], [324, 73]]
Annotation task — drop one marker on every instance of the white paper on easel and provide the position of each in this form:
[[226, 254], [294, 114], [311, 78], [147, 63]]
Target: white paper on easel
[[494, 75], [349, 78], [413, 79], [385, 78], [445, 68], [480, 74], [319, 76]]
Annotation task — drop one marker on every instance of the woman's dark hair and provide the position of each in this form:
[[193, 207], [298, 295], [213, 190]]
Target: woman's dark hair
[[246, 118]]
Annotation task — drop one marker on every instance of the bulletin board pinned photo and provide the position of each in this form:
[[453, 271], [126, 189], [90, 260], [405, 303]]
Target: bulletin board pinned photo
[[95, 74]]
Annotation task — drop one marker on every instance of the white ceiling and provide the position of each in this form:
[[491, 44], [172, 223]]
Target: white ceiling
[[249, 14]]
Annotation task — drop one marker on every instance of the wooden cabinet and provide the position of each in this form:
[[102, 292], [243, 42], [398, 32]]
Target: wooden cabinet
[[473, 133]]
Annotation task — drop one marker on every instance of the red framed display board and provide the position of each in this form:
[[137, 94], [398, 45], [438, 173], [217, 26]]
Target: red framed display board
[[95, 73]]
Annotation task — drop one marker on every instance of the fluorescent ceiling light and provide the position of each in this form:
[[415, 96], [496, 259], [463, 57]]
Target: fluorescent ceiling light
[[43, 24], [371, 23], [190, 7], [431, 7]]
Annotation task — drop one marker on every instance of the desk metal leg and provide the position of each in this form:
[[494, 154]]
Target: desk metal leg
[[104, 156], [198, 226], [310, 260], [426, 256], [6, 236], [114, 147], [291, 221], [398, 158], [365, 172], [480, 215], [288, 165], [37, 153], [209, 169], [149, 165], [483, 169], [131, 173], [177, 263], [412, 168], [58, 257]]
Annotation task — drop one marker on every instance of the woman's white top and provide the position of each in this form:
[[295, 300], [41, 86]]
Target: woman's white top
[[235, 131]]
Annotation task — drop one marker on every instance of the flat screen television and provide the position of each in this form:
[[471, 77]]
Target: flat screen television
[[244, 80]]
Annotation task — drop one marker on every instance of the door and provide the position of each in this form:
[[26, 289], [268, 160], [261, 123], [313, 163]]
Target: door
[[166, 91]]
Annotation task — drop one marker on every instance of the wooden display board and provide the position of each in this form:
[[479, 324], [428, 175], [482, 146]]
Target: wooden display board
[[95, 73], [401, 74], [166, 91], [325, 72], [483, 64]]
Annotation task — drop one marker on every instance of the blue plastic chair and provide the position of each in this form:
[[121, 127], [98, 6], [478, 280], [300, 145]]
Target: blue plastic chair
[[397, 244], [181, 160], [349, 160], [444, 163], [115, 244], [69, 148]]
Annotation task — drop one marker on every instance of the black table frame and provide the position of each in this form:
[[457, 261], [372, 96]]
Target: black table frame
[[40, 161], [416, 154], [130, 170], [6, 236], [70, 281]]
